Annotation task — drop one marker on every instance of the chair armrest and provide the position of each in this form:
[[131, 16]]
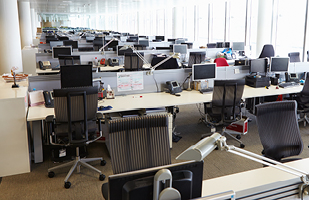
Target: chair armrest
[[49, 119]]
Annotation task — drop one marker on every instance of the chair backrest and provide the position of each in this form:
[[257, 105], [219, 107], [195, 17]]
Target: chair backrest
[[221, 62], [278, 129], [138, 142], [294, 57], [132, 62], [75, 110], [196, 58], [267, 51], [226, 99]]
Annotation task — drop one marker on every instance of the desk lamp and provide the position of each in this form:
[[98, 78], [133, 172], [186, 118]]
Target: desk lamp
[[205, 146], [174, 55], [102, 48]]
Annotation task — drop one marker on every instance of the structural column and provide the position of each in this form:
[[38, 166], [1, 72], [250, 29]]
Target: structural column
[[10, 51], [25, 23], [264, 25], [33, 22]]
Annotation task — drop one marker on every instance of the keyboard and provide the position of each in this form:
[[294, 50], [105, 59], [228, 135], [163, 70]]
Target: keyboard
[[206, 90], [288, 84]]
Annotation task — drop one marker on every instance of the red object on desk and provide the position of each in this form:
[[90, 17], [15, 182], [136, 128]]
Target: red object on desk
[[221, 62]]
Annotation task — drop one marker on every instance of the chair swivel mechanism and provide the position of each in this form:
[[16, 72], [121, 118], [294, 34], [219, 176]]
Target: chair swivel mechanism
[[75, 124]]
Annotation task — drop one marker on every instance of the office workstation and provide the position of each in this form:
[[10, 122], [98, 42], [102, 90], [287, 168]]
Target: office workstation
[[218, 166]]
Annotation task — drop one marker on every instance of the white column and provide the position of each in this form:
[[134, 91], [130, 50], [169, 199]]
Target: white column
[[264, 24], [25, 23], [178, 13], [33, 22], [10, 52]]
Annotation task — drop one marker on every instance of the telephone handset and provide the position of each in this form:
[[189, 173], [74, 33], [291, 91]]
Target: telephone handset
[[113, 62], [102, 61], [49, 100], [41, 65], [173, 87]]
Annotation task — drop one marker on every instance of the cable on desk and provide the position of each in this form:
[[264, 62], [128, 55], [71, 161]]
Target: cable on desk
[[155, 82]]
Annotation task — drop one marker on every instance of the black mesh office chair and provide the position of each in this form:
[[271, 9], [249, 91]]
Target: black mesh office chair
[[294, 57], [196, 58], [267, 51], [278, 130], [75, 124], [132, 62], [225, 107]]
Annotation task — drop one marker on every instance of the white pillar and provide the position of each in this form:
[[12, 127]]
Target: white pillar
[[25, 23], [178, 13], [33, 22], [264, 24], [10, 52]]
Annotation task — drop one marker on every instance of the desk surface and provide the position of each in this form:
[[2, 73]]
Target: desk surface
[[153, 100], [102, 68]]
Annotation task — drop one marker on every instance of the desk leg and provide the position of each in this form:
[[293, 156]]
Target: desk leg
[[37, 141]]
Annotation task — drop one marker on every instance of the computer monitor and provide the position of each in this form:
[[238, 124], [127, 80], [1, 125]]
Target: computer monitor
[[122, 52], [75, 76], [64, 50], [69, 60], [187, 179], [132, 39], [55, 43], [180, 48], [144, 42], [113, 44], [203, 72], [72, 43], [238, 46], [89, 38], [160, 38], [258, 66], [279, 64], [51, 39], [179, 41]]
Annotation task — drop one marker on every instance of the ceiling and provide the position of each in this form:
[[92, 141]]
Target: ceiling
[[104, 6]]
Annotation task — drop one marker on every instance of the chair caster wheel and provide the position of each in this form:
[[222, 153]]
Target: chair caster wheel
[[103, 162], [102, 177], [238, 137], [67, 185], [242, 146], [51, 174]]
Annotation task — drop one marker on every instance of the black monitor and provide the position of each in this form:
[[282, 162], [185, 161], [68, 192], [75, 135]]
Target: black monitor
[[238, 46], [113, 44], [258, 66], [187, 179], [144, 42], [279, 64], [122, 52], [69, 60], [202, 72], [132, 39], [72, 43], [65, 50], [51, 39], [76, 76], [160, 38]]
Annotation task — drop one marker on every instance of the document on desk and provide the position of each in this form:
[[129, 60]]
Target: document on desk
[[127, 81]]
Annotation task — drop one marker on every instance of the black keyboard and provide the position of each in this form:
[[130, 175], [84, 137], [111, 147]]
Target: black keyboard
[[288, 84], [206, 90]]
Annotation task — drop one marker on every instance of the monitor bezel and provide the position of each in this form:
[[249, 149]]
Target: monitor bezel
[[258, 59], [73, 41], [274, 58], [75, 80], [193, 72]]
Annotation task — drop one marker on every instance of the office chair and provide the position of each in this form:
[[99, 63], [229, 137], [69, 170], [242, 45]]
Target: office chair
[[132, 62], [148, 146], [75, 124], [196, 58], [267, 51], [225, 107], [221, 62], [278, 130], [294, 57]]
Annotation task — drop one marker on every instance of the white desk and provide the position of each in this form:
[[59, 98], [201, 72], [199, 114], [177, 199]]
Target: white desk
[[140, 101], [257, 181], [14, 154]]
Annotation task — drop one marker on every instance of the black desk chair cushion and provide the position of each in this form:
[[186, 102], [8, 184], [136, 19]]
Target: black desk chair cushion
[[267, 51], [278, 129], [294, 56]]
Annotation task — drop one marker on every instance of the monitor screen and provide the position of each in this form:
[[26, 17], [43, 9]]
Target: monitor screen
[[144, 42], [258, 66], [76, 76], [180, 48], [55, 43], [69, 60], [65, 50], [279, 64], [187, 178], [238, 46], [160, 38], [201, 72], [122, 52], [179, 41], [72, 43], [112, 44], [133, 38]]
